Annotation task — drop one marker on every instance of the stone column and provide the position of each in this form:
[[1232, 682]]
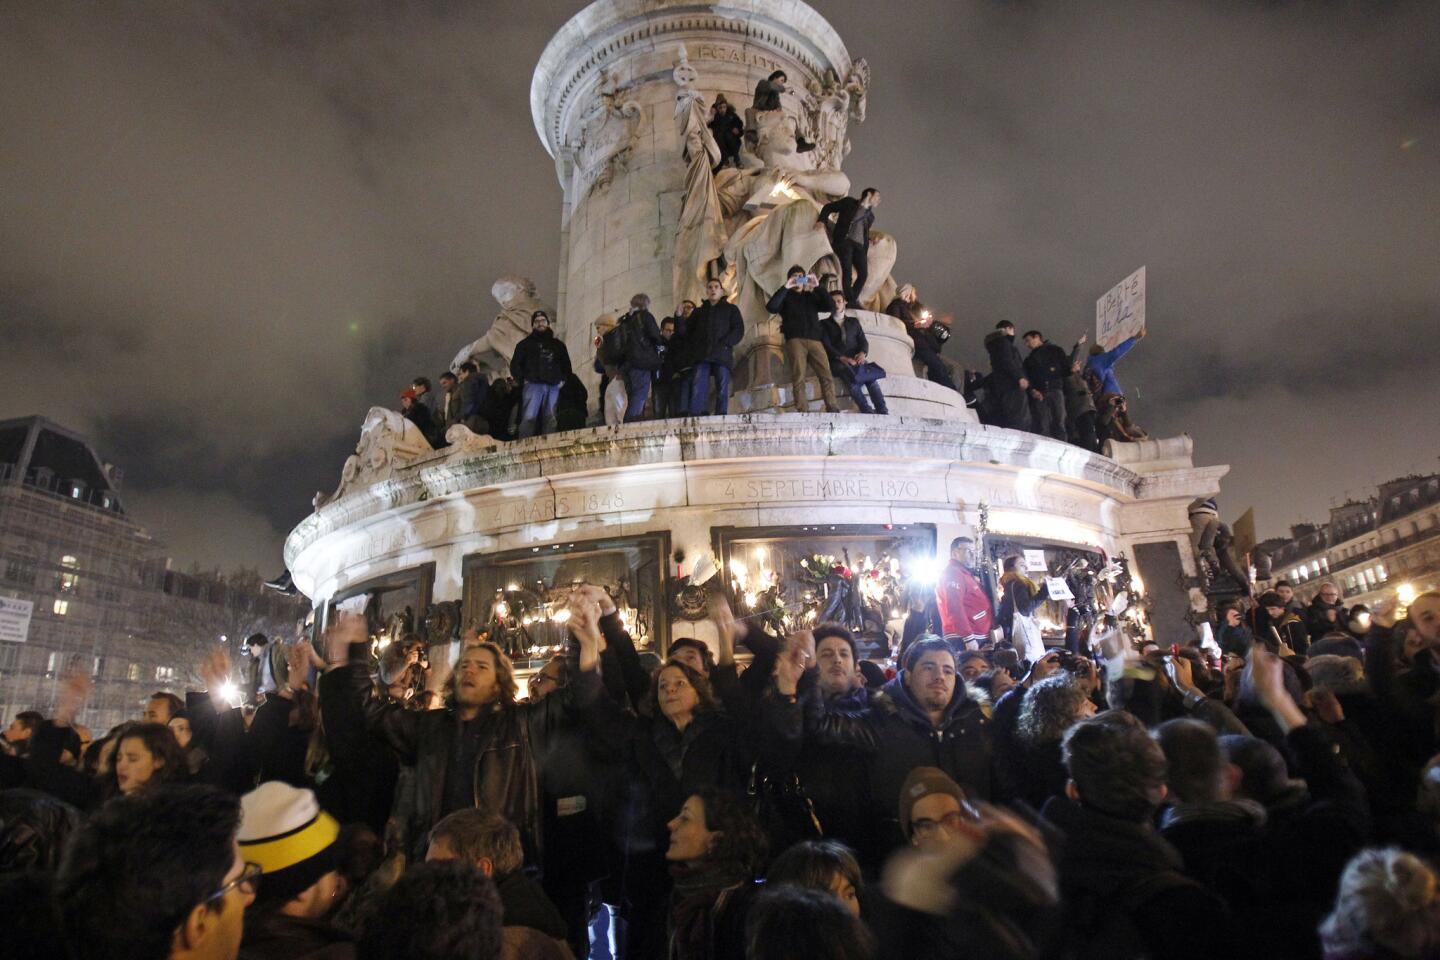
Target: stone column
[[603, 102]]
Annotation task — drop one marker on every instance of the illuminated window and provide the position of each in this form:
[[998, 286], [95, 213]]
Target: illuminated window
[[68, 566], [133, 673], [61, 607]]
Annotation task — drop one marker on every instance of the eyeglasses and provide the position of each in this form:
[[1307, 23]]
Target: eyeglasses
[[953, 822], [249, 880]]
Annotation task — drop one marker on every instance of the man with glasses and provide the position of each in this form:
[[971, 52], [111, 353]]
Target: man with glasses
[[155, 875], [1325, 614], [934, 810]]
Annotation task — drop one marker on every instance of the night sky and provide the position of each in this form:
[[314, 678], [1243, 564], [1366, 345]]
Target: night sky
[[228, 228]]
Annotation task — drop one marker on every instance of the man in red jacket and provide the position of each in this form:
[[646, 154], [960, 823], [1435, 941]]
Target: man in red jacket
[[965, 608]]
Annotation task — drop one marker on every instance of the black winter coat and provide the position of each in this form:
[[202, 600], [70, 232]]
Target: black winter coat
[[727, 129], [642, 340], [541, 358], [506, 775], [1123, 891], [1006, 367], [897, 737], [1047, 366], [713, 331], [799, 313], [843, 339], [845, 210]]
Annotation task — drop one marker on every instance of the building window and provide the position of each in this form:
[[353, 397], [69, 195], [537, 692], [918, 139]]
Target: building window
[[517, 595], [98, 669], [61, 607], [53, 663], [165, 674], [68, 566], [133, 673]]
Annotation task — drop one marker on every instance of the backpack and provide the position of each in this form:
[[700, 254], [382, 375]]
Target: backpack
[[613, 346], [640, 352]]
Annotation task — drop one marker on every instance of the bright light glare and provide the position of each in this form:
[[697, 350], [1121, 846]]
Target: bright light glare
[[561, 616], [230, 693], [925, 569], [1406, 593]]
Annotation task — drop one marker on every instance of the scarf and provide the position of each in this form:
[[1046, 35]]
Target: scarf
[[1011, 576]]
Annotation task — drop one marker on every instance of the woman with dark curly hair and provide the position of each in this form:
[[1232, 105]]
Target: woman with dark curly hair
[[1050, 707], [147, 754], [716, 847]]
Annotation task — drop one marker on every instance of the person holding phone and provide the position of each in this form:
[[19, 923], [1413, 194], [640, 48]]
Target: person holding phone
[[799, 304]]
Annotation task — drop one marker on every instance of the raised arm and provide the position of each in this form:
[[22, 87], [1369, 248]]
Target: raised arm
[[347, 642]]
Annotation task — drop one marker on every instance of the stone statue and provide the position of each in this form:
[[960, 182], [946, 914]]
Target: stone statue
[[700, 236], [607, 135], [880, 288], [492, 352], [387, 442]]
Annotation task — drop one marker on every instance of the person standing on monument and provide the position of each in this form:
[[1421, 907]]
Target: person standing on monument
[[1005, 387], [966, 613], [715, 329], [540, 365], [642, 354], [473, 392], [850, 238], [799, 305], [1045, 368], [848, 347], [728, 129]]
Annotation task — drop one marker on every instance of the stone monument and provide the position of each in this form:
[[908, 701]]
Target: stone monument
[[621, 98], [775, 509]]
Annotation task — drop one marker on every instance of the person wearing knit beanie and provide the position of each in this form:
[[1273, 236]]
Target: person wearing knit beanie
[[283, 829], [933, 807]]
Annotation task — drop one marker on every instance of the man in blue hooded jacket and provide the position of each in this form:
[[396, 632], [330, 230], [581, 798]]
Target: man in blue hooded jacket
[[1101, 364]]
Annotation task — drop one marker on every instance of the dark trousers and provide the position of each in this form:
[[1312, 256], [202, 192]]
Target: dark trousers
[[637, 390], [1009, 406], [853, 269], [1082, 431], [935, 369], [1047, 415], [701, 376], [875, 403], [668, 397]]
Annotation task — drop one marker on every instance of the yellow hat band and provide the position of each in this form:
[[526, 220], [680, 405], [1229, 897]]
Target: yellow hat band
[[310, 840]]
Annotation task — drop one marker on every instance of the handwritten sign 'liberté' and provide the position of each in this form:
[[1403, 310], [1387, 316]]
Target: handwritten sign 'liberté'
[[1120, 313]]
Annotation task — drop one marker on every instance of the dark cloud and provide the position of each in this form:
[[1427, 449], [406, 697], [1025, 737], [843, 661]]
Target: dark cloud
[[228, 228]]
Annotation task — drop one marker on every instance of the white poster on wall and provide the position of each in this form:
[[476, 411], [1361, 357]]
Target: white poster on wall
[[15, 619], [1120, 313]]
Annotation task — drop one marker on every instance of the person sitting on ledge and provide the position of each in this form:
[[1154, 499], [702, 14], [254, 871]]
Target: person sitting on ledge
[[847, 346], [540, 365]]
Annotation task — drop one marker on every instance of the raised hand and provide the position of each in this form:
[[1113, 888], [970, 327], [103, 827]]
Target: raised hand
[[215, 670], [1326, 705], [1267, 674], [1182, 672], [297, 659], [585, 625], [75, 687], [798, 653], [597, 595], [348, 628]]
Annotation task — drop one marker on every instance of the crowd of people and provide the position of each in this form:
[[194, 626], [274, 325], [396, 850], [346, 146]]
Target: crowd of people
[[682, 365], [964, 799]]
